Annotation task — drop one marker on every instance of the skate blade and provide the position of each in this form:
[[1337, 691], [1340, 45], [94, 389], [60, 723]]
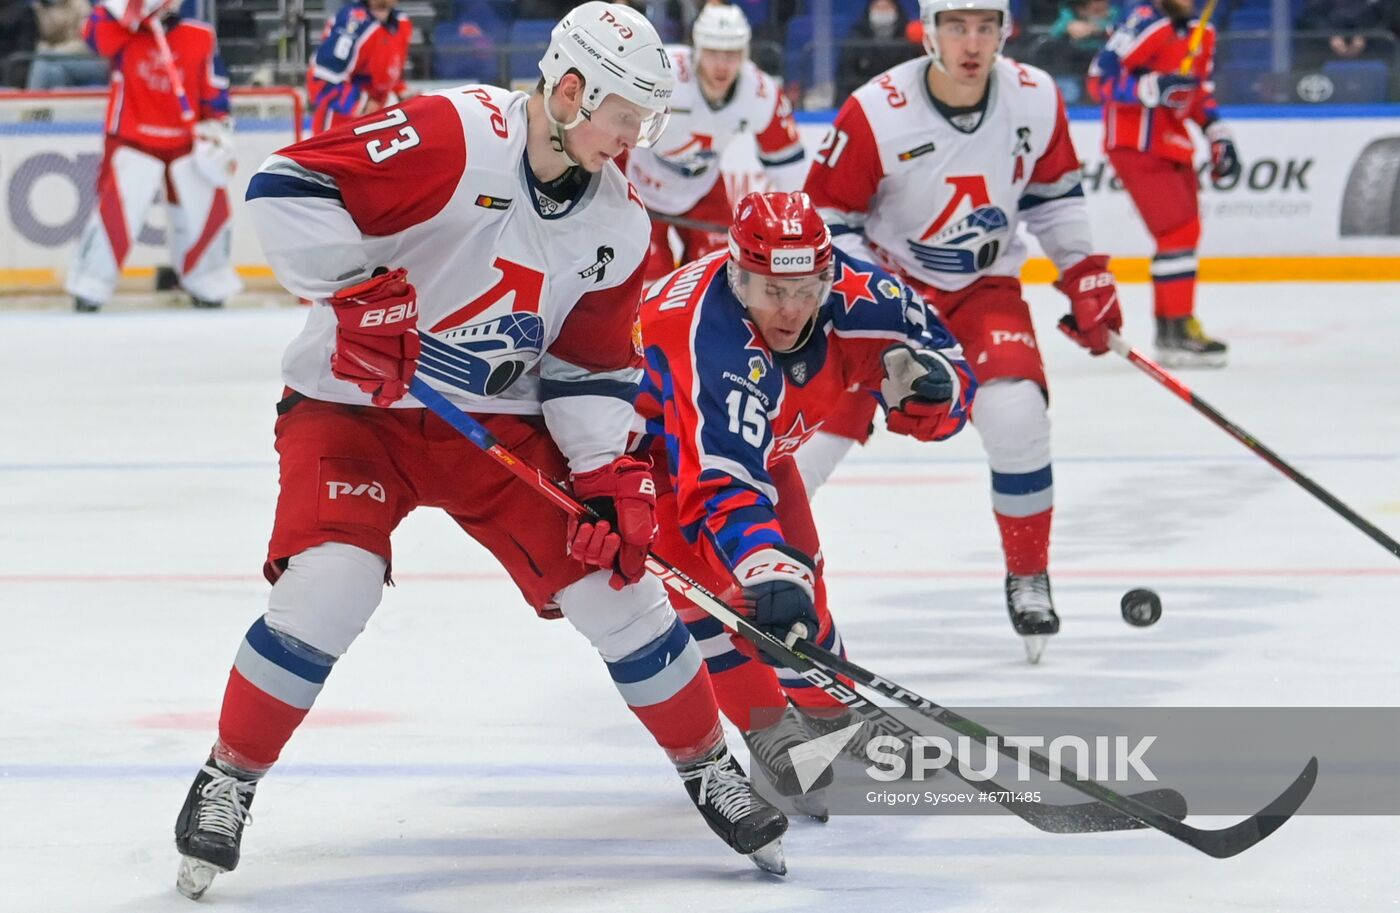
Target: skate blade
[[1176, 359], [1035, 645], [770, 858], [195, 876], [811, 806]]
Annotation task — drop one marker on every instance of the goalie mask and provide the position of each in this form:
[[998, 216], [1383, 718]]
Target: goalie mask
[[780, 265], [615, 51], [929, 11]]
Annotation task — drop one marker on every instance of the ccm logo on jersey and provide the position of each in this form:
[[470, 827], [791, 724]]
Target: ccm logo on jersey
[[795, 260], [380, 317], [335, 489]]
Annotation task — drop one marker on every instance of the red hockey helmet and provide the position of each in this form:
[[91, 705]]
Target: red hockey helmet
[[779, 234], [780, 265]]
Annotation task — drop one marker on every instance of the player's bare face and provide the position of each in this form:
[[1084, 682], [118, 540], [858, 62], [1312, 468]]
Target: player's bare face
[[968, 42], [380, 9], [718, 71], [782, 309], [612, 129]]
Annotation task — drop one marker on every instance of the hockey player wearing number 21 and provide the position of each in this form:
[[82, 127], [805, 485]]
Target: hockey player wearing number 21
[[929, 170], [747, 352], [154, 143], [484, 241]]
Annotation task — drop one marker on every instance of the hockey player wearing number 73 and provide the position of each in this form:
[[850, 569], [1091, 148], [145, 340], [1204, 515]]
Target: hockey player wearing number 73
[[484, 241], [930, 169]]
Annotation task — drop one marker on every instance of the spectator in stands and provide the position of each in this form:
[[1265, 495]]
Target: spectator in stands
[[62, 57], [1077, 35], [18, 36], [1345, 21], [875, 43]]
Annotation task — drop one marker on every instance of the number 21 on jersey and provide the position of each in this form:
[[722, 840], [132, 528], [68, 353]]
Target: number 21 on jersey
[[407, 138]]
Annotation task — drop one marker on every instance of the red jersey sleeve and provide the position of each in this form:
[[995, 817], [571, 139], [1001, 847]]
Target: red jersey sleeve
[[1059, 158], [419, 144], [598, 335], [846, 170], [104, 34], [779, 139]]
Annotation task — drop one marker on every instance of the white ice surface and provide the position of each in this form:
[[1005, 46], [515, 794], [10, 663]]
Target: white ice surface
[[465, 756]]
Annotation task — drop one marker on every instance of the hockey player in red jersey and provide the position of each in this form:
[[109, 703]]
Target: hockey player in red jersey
[[720, 95], [1148, 101], [748, 351], [358, 67], [153, 145], [928, 170], [483, 241]]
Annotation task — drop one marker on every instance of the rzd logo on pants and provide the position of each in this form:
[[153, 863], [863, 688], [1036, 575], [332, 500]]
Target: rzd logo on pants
[[336, 490]]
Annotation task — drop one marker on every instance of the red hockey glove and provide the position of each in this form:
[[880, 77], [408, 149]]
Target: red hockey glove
[[1224, 158], [1093, 302], [921, 390], [376, 344], [623, 495]]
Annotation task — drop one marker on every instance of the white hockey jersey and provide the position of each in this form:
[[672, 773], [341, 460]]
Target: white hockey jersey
[[895, 178], [525, 305], [678, 170]]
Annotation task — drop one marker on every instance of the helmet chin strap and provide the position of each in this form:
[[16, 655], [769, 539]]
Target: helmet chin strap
[[804, 338], [558, 128]]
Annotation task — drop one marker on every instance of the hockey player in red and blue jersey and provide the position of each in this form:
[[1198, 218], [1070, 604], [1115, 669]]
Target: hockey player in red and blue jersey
[[358, 68], [1152, 82], [747, 353]]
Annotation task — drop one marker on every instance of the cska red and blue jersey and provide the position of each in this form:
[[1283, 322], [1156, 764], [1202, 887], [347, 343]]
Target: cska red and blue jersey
[[722, 408], [1150, 42]]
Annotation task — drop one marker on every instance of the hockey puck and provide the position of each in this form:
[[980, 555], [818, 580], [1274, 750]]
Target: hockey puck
[[1141, 608]]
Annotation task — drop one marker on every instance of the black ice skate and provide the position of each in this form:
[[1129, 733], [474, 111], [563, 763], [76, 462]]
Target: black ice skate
[[1181, 343], [210, 826], [729, 805], [86, 305], [1032, 611], [770, 753]]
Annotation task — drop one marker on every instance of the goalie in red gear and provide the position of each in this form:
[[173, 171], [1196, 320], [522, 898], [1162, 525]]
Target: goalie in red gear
[[151, 150], [747, 352]]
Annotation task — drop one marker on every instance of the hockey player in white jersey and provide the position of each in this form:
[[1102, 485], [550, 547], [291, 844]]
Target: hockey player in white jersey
[[929, 170], [720, 95], [482, 240]]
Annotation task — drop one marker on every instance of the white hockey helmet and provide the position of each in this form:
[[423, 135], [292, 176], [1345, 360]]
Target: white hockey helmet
[[928, 15], [617, 52], [721, 28]]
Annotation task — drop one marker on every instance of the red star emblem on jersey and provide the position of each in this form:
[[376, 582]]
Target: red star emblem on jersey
[[853, 286], [756, 343], [795, 437]]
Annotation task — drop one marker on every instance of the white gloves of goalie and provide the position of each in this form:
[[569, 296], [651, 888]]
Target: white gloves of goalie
[[131, 13], [214, 154]]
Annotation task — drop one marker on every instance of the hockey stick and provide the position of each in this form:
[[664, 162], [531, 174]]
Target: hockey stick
[[1221, 843], [167, 61], [1159, 374], [684, 222], [1198, 36], [1059, 819]]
